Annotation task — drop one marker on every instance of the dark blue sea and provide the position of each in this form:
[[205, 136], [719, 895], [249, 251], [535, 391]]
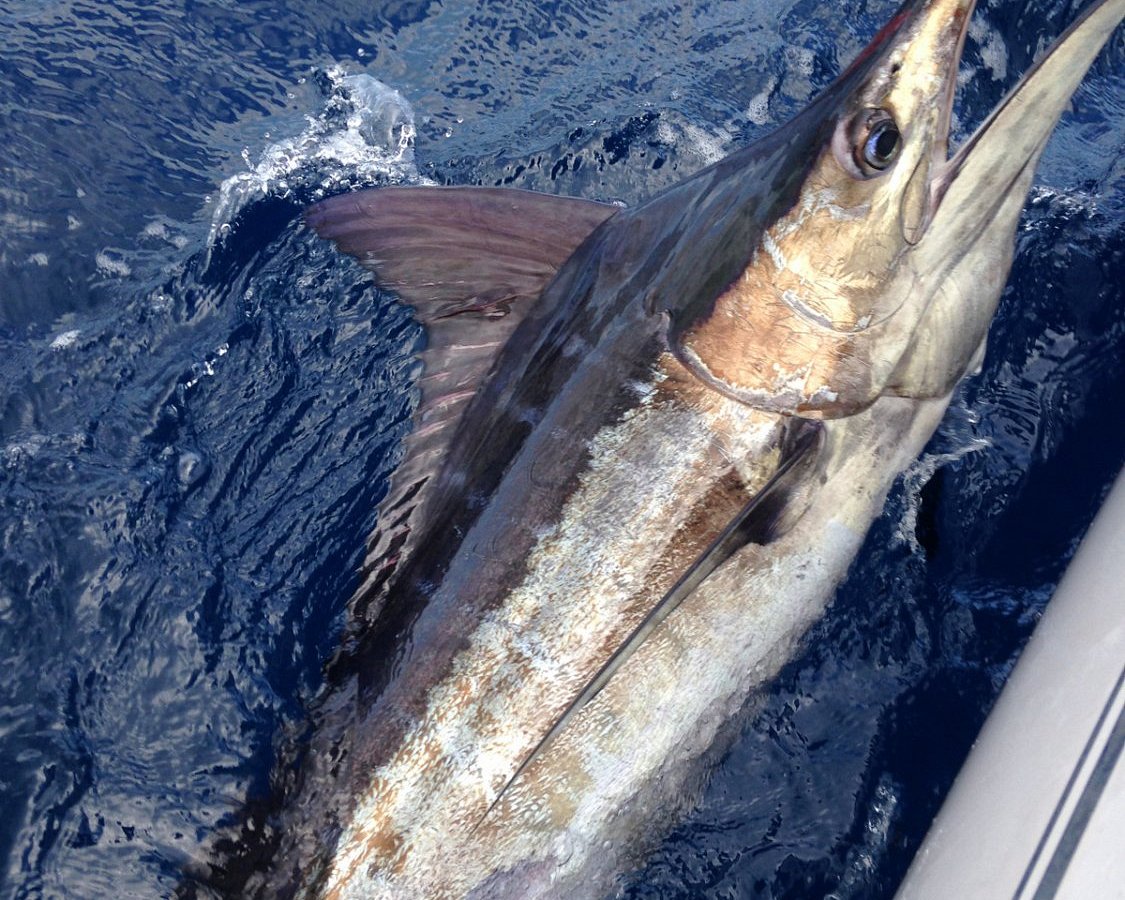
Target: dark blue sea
[[200, 403]]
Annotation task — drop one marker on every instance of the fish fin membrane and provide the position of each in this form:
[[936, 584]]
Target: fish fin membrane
[[471, 263], [451, 250], [770, 513]]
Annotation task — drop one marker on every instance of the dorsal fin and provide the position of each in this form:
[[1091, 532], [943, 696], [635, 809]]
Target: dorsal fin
[[470, 262], [449, 250]]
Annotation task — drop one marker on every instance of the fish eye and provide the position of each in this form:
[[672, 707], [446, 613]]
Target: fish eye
[[879, 142]]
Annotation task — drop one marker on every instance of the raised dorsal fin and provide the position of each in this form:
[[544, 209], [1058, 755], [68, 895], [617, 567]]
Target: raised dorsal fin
[[450, 250], [470, 262]]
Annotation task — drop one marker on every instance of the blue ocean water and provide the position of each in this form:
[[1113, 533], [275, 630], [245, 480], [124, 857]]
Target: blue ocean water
[[200, 403]]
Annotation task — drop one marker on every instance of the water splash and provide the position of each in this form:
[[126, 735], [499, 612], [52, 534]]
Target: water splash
[[364, 136], [865, 857], [957, 432], [66, 339]]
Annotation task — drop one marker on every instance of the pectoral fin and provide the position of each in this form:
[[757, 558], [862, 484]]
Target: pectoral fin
[[769, 514]]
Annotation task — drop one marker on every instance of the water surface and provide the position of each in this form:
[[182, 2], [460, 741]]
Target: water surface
[[200, 403]]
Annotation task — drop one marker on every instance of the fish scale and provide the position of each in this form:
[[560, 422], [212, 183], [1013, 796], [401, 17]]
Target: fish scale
[[585, 581]]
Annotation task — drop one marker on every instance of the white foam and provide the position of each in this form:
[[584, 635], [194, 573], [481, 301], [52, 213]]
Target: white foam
[[18, 451], [112, 264], [758, 111], [365, 134], [66, 339], [800, 60], [917, 476], [863, 861], [689, 138], [993, 51], [1072, 201], [160, 230]]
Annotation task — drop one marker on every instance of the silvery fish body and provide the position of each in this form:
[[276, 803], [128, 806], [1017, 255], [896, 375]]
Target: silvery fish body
[[649, 444]]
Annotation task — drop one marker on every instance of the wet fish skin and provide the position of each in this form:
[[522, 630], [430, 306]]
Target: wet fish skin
[[630, 414]]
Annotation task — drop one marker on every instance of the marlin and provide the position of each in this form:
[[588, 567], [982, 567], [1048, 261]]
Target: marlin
[[649, 443]]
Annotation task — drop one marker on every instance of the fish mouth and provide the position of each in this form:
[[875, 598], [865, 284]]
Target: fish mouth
[[1003, 148], [948, 98]]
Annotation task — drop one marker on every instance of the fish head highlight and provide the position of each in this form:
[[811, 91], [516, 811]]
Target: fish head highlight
[[880, 271]]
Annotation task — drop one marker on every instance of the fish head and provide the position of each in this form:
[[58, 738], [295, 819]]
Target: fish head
[[866, 200], [879, 270]]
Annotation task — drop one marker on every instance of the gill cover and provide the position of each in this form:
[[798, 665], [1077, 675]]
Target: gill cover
[[833, 301]]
